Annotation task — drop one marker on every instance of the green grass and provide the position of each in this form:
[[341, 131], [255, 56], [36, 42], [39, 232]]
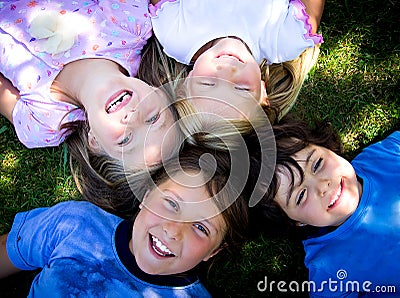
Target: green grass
[[354, 85]]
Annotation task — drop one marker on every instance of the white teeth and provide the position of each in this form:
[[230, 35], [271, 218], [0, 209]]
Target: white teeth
[[117, 102], [161, 246], [339, 191]]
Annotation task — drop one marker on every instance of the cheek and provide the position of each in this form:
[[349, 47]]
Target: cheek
[[146, 219], [152, 155], [202, 67]]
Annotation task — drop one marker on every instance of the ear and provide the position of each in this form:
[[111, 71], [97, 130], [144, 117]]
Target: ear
[[215, 251], [93, 144], [264, 101]]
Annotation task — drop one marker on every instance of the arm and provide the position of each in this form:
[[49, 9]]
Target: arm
[[6, 267], [8, 97], [314, 9]]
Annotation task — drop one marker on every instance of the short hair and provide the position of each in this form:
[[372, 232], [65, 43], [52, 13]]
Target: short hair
[[291, 136]]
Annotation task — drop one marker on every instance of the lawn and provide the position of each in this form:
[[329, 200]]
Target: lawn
[[354, 85]]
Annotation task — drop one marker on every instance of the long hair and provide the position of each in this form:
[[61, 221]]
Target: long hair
[[284, 80], [100, 178], [230, 199], [212, 131]]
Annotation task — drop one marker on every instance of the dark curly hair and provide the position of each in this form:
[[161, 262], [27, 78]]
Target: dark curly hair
[[291, 136]]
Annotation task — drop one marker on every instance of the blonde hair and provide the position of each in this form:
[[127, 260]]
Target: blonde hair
[[219, 134], [283, 84], [284, 80]]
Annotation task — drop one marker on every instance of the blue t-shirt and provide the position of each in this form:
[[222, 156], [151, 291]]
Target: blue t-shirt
[[74, 243], [364, 252]]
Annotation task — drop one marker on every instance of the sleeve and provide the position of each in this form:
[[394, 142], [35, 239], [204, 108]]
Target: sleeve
[[393, 141], [37, 119], [35, 234], [388, 149], [291, 34], [153, 9]]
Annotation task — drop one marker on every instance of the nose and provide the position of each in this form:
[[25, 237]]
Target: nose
[[173, 230], [128, 116], [226, 71], [323, 186]]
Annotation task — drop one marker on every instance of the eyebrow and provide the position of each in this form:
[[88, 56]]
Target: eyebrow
[[307, 161], [188, 204], [174, 193]]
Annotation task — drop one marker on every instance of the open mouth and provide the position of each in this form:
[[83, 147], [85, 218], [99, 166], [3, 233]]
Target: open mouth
[[231, 56], [118, 101], [159, 248], [336, 197]]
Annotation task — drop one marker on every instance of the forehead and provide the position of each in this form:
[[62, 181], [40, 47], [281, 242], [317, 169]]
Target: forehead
[[217, 109], [190, 193], [286, 182], [154, 97]]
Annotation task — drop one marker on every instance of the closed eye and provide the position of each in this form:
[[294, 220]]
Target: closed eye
[[207, 84], [242, 88]]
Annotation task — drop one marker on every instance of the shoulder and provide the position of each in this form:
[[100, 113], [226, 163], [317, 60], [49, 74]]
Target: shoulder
[[73, 213], [386, 149]]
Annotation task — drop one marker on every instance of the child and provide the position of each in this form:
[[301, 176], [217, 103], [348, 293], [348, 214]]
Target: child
[[75, 61], [355, 204], [183, 220], [226, 41]]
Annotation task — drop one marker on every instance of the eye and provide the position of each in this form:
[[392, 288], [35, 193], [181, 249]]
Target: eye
[[317, 164], [153, 119], [171, 205], [207, 84], [125, 140], [201, 228], [300, 197], [242, 88]]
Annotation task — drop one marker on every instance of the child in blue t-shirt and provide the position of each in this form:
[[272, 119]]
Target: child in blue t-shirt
[[352, 209], [187, 216]]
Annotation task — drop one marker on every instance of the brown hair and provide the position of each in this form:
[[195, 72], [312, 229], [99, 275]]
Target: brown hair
[[229, 198], [291, 136], [100, 178]]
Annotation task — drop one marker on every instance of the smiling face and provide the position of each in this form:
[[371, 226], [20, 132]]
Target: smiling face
[[329, 193], [173, 232], [227, 61], [130, 120]]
